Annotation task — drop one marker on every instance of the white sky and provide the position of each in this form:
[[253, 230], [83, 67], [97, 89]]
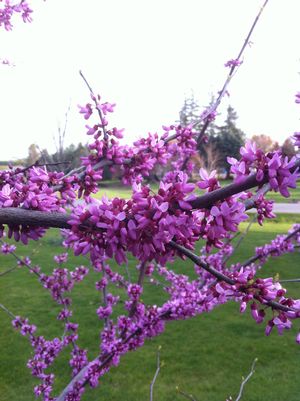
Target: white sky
[[146, 56]]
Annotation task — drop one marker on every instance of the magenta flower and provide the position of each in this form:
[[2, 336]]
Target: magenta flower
[[6, 196], [233, 63], [86, 110], [209, 181]]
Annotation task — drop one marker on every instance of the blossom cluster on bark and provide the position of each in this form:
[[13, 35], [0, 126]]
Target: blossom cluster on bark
[[155, 228]]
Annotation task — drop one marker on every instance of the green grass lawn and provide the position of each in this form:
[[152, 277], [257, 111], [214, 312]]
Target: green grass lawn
[[205, 356], [116, 189]]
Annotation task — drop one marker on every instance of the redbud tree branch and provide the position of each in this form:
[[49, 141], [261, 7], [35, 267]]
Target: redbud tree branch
[[222, 277], [244, 381], [34, 218], [158, 366], [230, 75], [206, 119], [95, 101], [7, 311], [254, 258]]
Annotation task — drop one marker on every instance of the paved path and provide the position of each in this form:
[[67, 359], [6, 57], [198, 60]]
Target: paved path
[[284, 208], [287, 208]]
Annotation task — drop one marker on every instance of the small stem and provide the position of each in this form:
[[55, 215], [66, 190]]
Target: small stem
[[155, 375], [22, 261], [7, 311], [292, 280], [228, 79], [246, 380], [242, 237], [128, 272], [104, 294], [186, 395], [222, 277], [254, 258], [140, 283], [9, 270], [99, 110]]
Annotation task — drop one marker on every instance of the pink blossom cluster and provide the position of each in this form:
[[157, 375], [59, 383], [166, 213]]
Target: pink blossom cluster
[[233, 63], [186, 299], [7, 248], [34, 189], [274, 166], [296, 138], [5, 61], [135, 162], [45, 351], [208, 115], [9, 8], [189, 298], [142, 225], [147, 225], [264, 208], [224, 217], [221, 220], [209, 182], [279, 245]]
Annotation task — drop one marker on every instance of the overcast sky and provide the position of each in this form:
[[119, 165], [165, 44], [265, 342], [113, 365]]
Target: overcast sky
[[146, 56]]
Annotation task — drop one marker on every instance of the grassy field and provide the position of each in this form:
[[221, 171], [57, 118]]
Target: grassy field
[[205, 356], [115, 189]]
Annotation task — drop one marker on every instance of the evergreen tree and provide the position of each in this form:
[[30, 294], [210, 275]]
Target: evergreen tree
[[228, 140]]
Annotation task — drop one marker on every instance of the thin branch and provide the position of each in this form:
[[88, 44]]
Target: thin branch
[[22, 262], [17, 265], [15, 216], [81, 171], [81, 376], [257, 257], [246, 380], [250, 203], [158, 366], [242, 237], [292, 280], [98, 109], [127, 271], [37, 164], [9, 270], [140, 283], [186, 395], [229, 77], [222, 277], [104, 294], [196, 259], [7, 311]]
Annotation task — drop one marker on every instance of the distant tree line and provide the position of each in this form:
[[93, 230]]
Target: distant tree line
[[221, 141], [225, 140], [64, 159]]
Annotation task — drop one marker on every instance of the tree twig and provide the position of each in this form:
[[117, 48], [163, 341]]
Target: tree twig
[[242, 237], [95, 101], [244, 381], [222, 92], [7, 311], [292, 280], [254, 258], [15, 216], [222, 277], [186, 395], [158, 366], [140, 283]]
